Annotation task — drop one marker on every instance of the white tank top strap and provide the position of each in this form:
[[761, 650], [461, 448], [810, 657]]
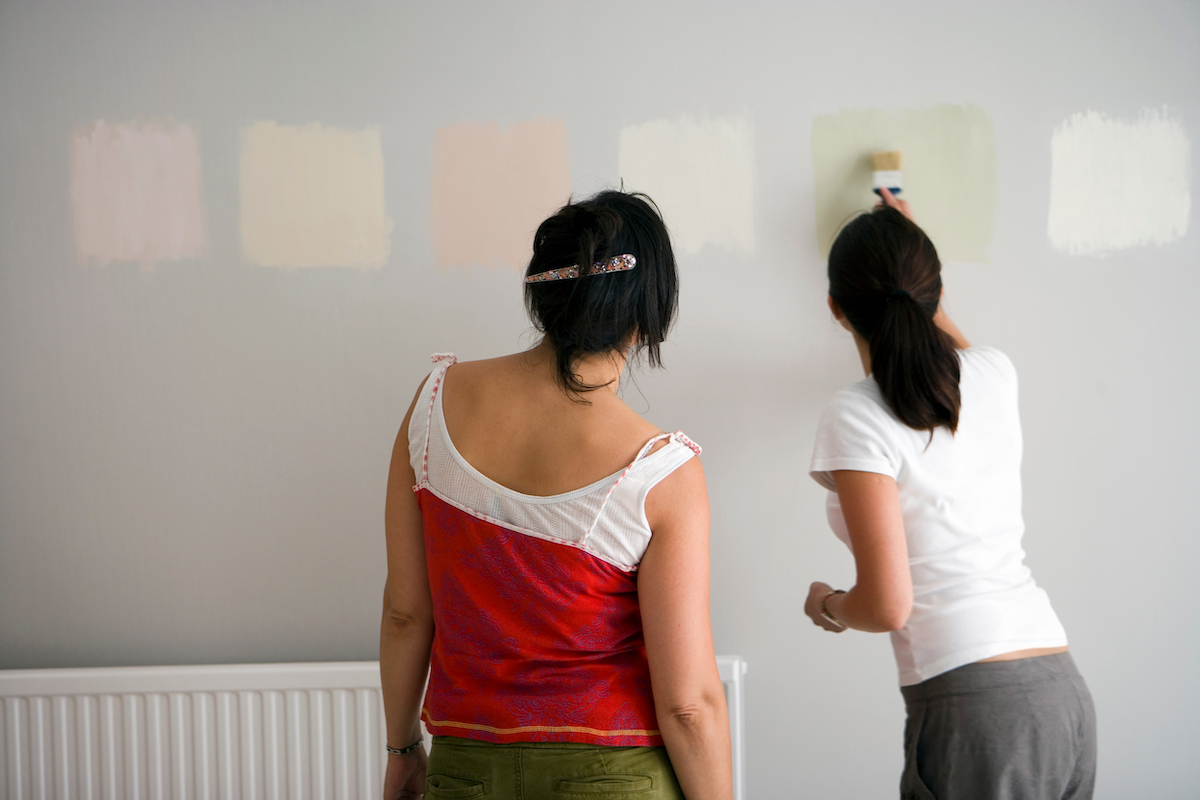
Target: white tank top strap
[[441, 362], [645, 449], [649, 472], [684, 440]]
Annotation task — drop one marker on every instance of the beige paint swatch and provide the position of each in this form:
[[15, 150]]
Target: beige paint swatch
[[700, 173], [135, 193], [1116, 184], [949, 172], [312, 196], [492, 187]]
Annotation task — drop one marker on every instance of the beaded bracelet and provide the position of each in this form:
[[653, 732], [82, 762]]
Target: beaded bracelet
[[400, 751], [825, 611]]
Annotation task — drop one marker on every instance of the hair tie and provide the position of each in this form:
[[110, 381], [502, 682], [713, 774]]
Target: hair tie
[[895, 294]]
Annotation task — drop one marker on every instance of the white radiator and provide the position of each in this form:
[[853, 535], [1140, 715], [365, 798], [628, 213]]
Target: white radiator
[[233, 732]]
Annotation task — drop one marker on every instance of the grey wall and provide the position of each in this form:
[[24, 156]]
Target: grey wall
[[192, 460]]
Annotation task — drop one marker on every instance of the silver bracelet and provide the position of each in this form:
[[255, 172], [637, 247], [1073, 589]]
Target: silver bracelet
[[400, 751], [825, 611]]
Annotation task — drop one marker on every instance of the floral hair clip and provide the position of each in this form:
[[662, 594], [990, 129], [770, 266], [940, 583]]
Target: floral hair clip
[[614, 264]]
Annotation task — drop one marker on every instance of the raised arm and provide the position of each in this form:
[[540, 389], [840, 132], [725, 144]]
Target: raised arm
[[673, 595], [406, 633], [941, 319], [881, 598]]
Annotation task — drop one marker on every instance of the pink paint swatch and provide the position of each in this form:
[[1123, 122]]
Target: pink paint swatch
[[136, 193], [493, 187]]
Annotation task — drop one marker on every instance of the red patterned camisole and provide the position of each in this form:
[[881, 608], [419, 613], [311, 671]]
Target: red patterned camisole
[[538, 636]]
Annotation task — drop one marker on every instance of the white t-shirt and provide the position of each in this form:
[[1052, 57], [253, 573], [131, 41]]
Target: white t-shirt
[[960, 496]]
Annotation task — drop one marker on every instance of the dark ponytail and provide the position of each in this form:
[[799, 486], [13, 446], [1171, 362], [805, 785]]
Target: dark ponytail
[[602, 313], [885, 276]]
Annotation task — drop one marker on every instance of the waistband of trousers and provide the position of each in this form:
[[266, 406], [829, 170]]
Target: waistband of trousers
[[460, 741], [993, 675]]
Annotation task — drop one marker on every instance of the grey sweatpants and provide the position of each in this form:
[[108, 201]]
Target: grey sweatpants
[[1003, 730]]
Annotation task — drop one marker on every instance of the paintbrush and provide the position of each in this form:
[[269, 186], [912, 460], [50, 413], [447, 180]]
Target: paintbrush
[[886, 168]]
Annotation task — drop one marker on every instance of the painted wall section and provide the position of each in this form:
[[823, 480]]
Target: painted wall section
[[312, 196], [1116, 184], [135, 193], [701, 175], [492, 187], [949, 172]]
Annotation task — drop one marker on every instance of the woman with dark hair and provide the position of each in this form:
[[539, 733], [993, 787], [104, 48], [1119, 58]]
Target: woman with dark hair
[[548, 550], [922, 460]]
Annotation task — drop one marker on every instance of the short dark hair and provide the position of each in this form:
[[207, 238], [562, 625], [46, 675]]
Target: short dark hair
[[600, 314], [885, 276]]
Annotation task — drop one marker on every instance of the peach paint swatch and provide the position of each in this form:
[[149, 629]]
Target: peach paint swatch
[[949, 172], [492, 187], [700, 173], [1117, 184], [135, 193], [312, 196]]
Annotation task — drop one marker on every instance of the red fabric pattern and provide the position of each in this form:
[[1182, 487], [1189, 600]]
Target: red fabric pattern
[[534, 641]]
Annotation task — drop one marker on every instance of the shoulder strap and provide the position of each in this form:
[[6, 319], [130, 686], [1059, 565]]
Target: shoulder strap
[[442, 362], [677, 436]]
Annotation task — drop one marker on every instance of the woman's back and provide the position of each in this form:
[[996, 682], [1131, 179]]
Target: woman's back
[[510, 419], [960, 500], [960, 490]]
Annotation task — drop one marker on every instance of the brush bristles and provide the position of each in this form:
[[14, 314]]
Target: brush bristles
[[887, 162]]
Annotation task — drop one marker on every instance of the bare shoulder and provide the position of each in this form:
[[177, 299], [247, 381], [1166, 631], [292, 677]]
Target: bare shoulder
[[680, 496], [486, 374], [639, 426]]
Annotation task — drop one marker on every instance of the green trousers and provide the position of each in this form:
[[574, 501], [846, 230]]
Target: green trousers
[[465, 768]]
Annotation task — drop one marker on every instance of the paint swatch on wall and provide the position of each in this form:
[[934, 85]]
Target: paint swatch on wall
[[1116, 184], [135, 193], [312, 196], [949, 172], [700, 173], [493, 186]]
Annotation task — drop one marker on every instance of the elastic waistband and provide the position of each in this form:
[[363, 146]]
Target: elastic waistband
[[993, 675]]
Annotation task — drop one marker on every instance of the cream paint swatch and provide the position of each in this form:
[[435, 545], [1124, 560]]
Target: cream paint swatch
[[492, 187], [700, 173], [1116, 184], [949, 172], [312, 196], [135, 193]]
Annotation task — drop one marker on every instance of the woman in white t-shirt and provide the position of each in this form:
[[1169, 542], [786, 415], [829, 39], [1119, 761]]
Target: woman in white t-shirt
[[922, 459]]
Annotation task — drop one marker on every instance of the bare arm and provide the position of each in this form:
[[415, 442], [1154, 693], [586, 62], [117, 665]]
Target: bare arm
[[881, 598], [673, 595], [406, 632]]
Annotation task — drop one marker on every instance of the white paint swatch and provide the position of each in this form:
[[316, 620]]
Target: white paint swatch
[[1116, 184], [701, 175], [135, 193], [312, 196]]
